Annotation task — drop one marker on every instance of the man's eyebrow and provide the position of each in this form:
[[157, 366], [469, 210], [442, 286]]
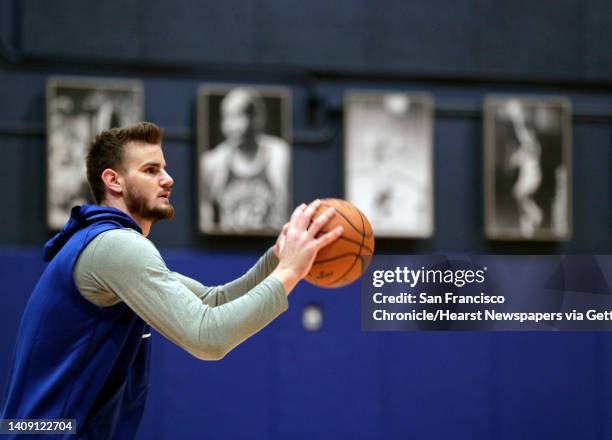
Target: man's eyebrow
[[152, 163]]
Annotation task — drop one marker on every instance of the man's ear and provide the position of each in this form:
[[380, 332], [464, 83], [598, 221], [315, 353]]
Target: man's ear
[[113, 180]]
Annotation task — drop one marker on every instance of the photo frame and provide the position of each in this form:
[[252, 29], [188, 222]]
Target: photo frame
[[388, 161], [78, 109], [527, 168], [244, 159]]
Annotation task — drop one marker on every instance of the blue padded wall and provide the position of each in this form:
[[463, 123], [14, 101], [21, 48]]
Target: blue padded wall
[[343, 383], [340, 383]]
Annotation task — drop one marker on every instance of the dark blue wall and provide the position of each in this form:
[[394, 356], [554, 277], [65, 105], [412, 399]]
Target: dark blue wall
[[342, 383], [318, 50], [339, 382], [564, 40]]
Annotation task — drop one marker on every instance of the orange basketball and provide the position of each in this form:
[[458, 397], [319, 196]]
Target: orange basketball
[[344, 260]]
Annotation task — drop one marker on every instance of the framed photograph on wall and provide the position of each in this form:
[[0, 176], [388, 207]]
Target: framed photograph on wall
[[388, 161], [77, 110], [244, 159], [527, 168]]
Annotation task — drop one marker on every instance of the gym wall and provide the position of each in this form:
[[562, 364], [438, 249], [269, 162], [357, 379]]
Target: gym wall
[[338, 382]]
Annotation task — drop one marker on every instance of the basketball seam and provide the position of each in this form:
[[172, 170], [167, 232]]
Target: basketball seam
[[335, 257], [360, 248], [350, 240], [347, 220]]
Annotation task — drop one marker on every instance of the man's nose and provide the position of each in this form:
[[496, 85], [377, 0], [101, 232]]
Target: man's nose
[[166, 180]]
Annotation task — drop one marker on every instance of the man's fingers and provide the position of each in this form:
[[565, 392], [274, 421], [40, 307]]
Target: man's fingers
[[281, 243], [328, 237], [297, 212], [284, 230], [321, 221], [307, 214]]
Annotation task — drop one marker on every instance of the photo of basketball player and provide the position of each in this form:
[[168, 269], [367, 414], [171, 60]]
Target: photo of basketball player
[[388, 161], [78, 109], [244, 159], [527, 168]]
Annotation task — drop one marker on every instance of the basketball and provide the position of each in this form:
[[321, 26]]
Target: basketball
[[344, 260]]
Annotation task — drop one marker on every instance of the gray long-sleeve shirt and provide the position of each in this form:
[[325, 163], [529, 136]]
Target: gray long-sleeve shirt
[[122, 265]]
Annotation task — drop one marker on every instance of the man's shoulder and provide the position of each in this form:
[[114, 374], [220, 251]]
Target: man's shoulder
[[277, 150], [273, 142], [219, 152], [120, 241], [122, 234]]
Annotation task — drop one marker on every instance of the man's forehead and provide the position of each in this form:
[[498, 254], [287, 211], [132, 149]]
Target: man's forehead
[[138, 153]]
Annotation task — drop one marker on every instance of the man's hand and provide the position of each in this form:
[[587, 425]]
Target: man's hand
[[280, 241], [298, 243]]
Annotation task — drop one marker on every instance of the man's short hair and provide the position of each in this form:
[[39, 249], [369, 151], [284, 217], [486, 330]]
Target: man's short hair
[[107, 150]]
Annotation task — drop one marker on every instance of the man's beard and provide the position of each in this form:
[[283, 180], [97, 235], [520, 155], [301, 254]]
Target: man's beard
[[137, 204]]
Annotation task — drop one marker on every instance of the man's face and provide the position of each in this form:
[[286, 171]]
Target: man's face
[[147, 184], [238, 118]]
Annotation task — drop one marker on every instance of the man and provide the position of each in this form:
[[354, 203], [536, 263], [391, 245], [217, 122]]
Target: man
[[245, 179], [83, 346], [68, 133], [526, 158]]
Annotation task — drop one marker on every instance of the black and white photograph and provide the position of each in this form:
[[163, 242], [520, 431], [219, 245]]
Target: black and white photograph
[[388, 157], [527, 168], [244, 159], [78, 109]]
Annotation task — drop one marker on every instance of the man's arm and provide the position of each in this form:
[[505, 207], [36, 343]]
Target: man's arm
[[126, 264], [218, 295], [129, 266]]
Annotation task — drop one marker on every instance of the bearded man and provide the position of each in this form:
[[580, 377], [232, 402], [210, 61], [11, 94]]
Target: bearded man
[[83, 346]]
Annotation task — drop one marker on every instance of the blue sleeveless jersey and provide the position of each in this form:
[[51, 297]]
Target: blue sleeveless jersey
[[73, 359]]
